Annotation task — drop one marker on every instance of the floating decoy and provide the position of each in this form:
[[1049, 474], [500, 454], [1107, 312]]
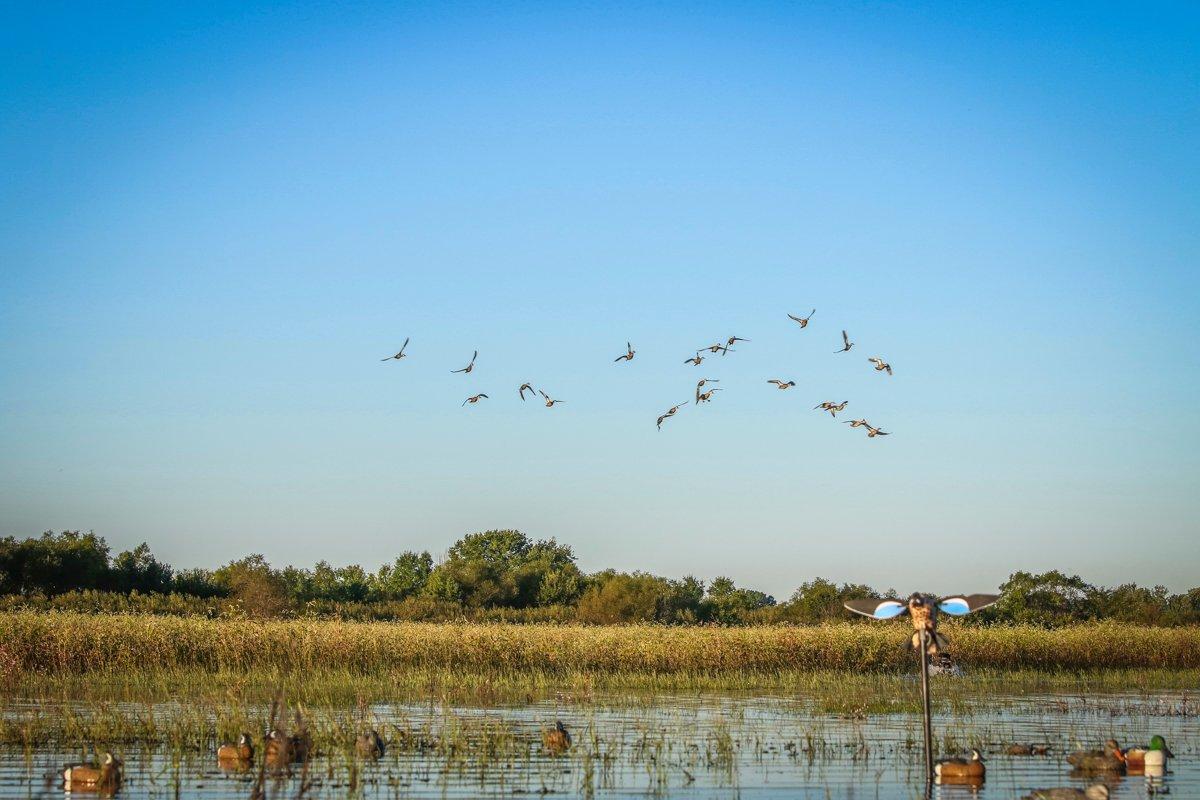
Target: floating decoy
[[549, 401], [706, 397], [873, 432], [525, 386], [701, 383], [557, 738], [832, 408], [104, 777], [803, 320], [474, 398], [1155, 755], [923, 610], [1110, 759], [398, 355], [241, 751], [943, 664], [300, 742], [881, 365], [1027, 750], [628, 355], [780, 384], [470, 366], [956, 767], [277, 749], [670, 413], [855, 423], [369, 744], [846, 342], [1097, 791], [695, 360]]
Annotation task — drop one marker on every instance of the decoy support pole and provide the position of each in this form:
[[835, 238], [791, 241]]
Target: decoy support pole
[[921, 653]]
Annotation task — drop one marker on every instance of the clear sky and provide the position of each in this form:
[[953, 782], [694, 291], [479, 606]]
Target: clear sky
[[215, 220]]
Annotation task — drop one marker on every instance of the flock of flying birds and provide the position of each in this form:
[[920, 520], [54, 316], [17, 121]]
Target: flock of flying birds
[[700, 397]]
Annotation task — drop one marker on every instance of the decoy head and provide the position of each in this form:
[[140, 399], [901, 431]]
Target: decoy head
[[1159, 743], [975, 755], [107, 759], [1111, 748], [916, 599], [244, 739], [558, 726]]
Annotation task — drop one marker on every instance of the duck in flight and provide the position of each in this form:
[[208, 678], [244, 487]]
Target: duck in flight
[[701, 383], [627, 355], [706, 397], [399, 355], [670, 413], [470, 366], [873, 432], [782, 385], [881, 365], [845, 341], [832, 408], [695, 360], [855, 423], [474, 399], [549, 401], [803, 320], [525, 386], [729, 343]]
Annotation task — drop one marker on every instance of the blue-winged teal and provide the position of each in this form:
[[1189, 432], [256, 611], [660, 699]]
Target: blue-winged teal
[[627, 355], [242, 750], [398, 355], [831, 407], [557, 738], [369, 744], [475, 398], [956, 767], [881, 365], [670, 413], [470, 366], [803, 320], [846, 344], [782, 384], [549, 400], [104, 777], [525, 386]]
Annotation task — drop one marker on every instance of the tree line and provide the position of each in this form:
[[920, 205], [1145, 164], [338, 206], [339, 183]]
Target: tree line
[[503, 575]]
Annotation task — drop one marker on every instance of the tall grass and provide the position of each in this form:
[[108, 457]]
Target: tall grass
[[69, 643]]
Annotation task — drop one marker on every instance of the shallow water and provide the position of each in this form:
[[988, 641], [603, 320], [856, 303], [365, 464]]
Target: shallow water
[[694, 746]]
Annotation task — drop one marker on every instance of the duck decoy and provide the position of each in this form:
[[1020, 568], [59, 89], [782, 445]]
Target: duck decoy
[[923, 611], [1155, 755], [104, 777], [831, 407], [241, 751], [847, 344], [556, 739], [873, 432], [670, 413], [300, 742], [695, 360], [369, 744], [803, 320], [549, 401], [1110, 759], [1097, 791], [957, 767], [706, 397], [468, 367], [475, 398], [855, 423], [627, 355], [525, 386], [277, 749], [1027, 750], [398, 355], [782, 385], [881, 365]]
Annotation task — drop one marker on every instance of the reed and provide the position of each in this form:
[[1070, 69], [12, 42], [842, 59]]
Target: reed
[[69, 643]]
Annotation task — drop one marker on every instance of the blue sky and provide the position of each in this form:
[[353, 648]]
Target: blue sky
[[214, 221]]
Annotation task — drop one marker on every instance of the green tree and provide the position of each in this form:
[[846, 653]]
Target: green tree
[[138, 570], [259, 590], [404, 577]]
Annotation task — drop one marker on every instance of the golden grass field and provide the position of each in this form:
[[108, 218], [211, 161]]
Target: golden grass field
[[67, 643]]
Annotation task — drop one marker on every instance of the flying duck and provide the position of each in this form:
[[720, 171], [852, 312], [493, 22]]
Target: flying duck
[[780, 384], [831, 407], [845, 341], [729, 343], [627, 355], [470, 366], [398, 355], [670, 413], [803, 320], [702, 382], [525, 386], [474, 398], [881, 365], [873, 432], [549, 401], [695, 360], [923, 610], [855, 423], [706, 397]]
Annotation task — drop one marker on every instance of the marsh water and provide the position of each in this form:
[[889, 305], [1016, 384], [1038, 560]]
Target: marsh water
[[692, 745]]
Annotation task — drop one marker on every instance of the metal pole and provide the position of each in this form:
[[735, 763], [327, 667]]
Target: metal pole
[[925, 706]]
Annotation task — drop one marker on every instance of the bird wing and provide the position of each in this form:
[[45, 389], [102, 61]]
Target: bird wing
[[793, 316], [406, 338], [845, 338], [958, 605], [775, 381], [888, 367], [483, 395], [543, 394], [389, 358], [877, 609], [464, 369]]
